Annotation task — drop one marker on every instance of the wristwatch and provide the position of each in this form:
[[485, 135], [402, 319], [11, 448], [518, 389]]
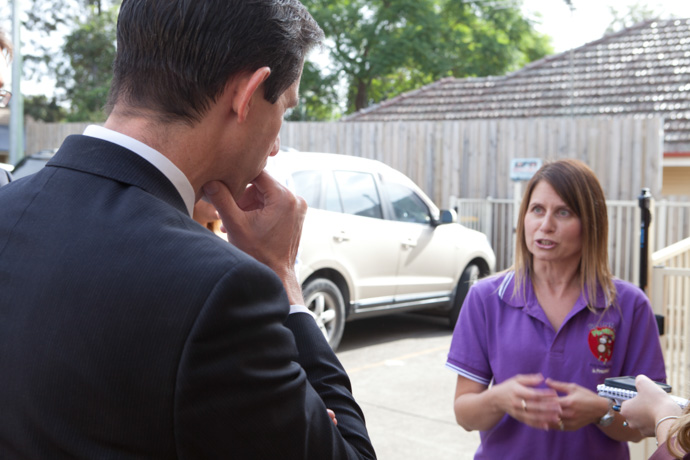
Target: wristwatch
[[608, 417]]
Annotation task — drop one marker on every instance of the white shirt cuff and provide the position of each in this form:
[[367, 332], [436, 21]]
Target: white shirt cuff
[[300, 309]]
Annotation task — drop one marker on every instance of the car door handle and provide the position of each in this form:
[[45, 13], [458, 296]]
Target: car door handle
[[340, 237], [409, 243]]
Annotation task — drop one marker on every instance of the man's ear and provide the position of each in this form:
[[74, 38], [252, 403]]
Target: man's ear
[[246, 89]]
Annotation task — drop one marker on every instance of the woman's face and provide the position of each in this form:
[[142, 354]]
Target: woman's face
[[552, 230]]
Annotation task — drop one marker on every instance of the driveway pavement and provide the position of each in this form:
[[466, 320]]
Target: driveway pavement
[[396, 364]]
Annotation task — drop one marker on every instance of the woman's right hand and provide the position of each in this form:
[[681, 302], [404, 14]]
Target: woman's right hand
[[521, 399], [480, 408]]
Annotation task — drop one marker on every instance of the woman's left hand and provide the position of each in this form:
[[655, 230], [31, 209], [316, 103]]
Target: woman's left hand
[[579, 406]]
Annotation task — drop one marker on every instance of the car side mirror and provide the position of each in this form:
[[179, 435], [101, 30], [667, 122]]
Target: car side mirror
[[448, 216]]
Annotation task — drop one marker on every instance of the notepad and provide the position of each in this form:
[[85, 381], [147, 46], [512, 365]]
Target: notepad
[[621, 394]]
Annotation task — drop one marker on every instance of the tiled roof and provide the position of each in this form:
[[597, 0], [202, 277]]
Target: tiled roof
[[643, 70]]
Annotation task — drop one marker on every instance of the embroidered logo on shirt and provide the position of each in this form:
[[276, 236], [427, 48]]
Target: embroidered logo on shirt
[[601, 340]]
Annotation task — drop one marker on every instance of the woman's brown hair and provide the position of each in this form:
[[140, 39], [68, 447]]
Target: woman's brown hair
[[679, 437]]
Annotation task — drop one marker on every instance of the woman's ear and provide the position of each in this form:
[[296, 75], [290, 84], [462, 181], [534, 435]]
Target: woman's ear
[[244, 91]]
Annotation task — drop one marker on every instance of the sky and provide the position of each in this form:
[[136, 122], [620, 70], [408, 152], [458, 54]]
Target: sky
[[568, 29], [590, 18]]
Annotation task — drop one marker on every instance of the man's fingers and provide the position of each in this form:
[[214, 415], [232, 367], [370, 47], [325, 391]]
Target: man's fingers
[[250, 200], [220, 197], [331, 414], [263, 181]]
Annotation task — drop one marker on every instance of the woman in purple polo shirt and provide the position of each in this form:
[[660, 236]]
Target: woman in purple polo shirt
[[532, 343]]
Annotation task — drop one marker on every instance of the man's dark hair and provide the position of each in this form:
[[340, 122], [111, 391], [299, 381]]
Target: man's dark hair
[[175, 56]]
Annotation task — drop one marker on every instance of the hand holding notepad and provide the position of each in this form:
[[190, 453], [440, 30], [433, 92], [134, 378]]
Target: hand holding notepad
[[622, 388]]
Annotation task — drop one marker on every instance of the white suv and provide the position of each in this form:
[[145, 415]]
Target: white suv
[[374, 244]]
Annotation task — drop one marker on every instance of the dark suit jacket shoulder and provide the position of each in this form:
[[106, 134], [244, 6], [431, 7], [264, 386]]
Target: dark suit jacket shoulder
[[130, 331], [5, 177]]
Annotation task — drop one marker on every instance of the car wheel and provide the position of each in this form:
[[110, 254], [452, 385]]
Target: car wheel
[[468, 278], [324, 299]]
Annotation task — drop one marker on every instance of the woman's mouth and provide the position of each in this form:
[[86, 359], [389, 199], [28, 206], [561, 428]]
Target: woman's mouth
[[545, 243]]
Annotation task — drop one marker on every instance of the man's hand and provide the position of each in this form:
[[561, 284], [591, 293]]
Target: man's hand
[[266, 223], [331, 414]]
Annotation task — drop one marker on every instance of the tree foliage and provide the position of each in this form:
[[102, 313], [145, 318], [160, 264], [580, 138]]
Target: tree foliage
[[80, 66], [318, 96], [384, 47], [378, 49], [90, 51], [625, 18], [43, 108]]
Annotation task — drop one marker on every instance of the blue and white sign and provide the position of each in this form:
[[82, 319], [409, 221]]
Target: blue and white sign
[[522, 169]]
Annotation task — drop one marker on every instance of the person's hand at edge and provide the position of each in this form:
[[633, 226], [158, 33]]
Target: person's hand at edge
[[331, 414], [649, 406]]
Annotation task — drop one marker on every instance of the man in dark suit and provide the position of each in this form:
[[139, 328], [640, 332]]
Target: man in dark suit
[[127, 330]]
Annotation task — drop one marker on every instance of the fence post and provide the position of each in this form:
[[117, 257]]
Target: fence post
[[644, 200], [646, 203], [661, 211], [453, 204], [488, 227]]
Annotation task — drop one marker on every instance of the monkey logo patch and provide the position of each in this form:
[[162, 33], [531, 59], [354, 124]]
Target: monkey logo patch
[[601, 341]]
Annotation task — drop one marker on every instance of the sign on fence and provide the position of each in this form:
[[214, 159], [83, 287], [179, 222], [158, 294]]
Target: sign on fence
[[522, 169]]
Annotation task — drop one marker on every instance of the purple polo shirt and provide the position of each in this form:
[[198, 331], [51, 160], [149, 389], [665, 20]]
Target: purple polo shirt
[[499, 335]]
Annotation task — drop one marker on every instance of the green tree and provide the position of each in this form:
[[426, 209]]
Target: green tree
[[45, 57], [625, 18], [318, 96], [90, 51], [384, 47], [43, 108]]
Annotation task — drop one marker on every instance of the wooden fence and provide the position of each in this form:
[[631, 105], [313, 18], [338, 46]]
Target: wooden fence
[[40, 135], [671, 298], [670, 224], [471, 159]]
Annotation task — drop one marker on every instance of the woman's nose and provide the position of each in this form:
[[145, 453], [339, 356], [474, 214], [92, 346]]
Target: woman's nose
[[547, 223]]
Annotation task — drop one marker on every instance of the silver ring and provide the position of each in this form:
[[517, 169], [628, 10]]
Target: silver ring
[[560, 425], [524, 405]]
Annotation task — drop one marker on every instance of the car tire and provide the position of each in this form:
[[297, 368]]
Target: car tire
[[324, 299], [469, 276]]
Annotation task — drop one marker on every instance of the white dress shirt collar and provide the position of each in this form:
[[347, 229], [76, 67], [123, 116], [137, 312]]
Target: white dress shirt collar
[[157, 159]]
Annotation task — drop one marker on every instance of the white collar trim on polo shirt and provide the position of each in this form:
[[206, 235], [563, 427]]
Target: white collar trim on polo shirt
[[157, 159], [505, 284]]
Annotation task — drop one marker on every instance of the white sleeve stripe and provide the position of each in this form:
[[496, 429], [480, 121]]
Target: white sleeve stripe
[[468, 375]]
